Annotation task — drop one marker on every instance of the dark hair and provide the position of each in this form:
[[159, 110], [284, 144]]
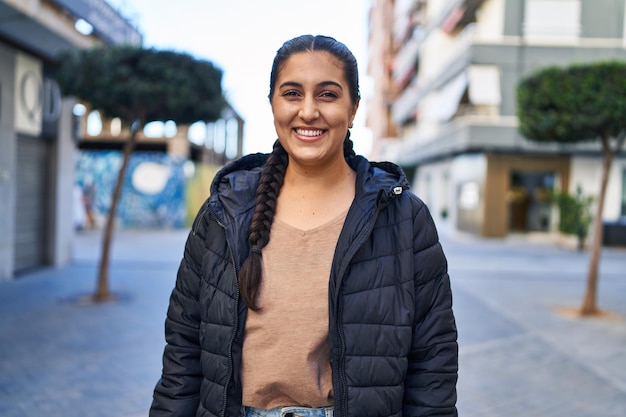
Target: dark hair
[[274, 169], [309, 43]]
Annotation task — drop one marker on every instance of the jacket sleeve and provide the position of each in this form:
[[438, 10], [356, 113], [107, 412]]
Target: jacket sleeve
[[430, 383], [177, 393]]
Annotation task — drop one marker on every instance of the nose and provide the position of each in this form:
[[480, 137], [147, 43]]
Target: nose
[[308, 110]]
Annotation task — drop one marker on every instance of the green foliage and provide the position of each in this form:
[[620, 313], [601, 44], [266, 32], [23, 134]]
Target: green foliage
[[575, 212], [572, 104], [144, 85]]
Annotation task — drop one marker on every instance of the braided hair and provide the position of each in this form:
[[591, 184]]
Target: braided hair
[[273, 174]]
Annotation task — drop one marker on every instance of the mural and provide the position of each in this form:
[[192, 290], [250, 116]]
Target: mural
[[153, 195], [198, 188]]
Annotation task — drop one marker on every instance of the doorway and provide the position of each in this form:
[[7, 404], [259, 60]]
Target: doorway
[[31, 203], [529, 201]]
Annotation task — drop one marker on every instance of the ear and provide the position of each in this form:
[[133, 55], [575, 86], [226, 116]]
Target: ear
[[354, 109]]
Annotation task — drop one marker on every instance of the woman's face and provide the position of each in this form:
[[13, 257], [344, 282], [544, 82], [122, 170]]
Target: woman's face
[[312, 108]]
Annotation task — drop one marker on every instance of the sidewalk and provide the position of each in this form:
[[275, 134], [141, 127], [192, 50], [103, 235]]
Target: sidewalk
[[518, 357], [63, 358]]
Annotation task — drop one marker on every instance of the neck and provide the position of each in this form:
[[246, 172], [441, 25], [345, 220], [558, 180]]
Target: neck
[[325, 177], [309, 198]]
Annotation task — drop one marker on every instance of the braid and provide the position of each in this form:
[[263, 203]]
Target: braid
[[265, 205], [267, 191], [348, 146]]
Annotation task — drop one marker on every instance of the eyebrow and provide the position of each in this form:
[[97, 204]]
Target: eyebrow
[[322, 84]]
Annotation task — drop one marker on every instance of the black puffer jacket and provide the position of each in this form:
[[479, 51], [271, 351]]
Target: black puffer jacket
[[393, 346]]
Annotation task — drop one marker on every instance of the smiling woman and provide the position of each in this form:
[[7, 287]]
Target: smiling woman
[[191, 23], [337, 301], [313, 110]]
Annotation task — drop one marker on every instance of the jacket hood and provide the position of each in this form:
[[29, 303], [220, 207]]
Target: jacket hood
[[246, 164], [234, 186], [233, 189], [377, 182]]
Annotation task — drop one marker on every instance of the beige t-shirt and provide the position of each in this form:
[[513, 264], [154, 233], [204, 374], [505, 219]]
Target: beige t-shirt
[[285, 351]]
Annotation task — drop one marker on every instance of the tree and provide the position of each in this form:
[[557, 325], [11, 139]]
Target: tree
[[139, 86], [574, 213], [581, 102]]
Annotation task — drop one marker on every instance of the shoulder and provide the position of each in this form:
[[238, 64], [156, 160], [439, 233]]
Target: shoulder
[[232, 193], [246, 169], [413, 214]]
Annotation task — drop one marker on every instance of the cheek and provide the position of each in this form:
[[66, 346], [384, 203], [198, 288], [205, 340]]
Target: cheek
[[280, 118], [281, 112], [342, 117]]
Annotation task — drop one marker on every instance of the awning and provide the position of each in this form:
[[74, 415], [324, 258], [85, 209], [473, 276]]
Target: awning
[[442, 104], [482, 83]]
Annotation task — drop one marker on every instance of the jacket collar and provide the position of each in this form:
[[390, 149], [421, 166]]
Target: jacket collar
[[377, 182], [233, 189]]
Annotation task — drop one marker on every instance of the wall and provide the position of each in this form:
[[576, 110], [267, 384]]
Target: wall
[[432, 184], [490, 25], [198, 188], [62, 233], [153, 194], [467, 182], [587, 172], [7, 163], [602, 22]]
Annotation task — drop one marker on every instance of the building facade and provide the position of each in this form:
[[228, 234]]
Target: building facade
[[37, 127], [446, 73], [45, 139]]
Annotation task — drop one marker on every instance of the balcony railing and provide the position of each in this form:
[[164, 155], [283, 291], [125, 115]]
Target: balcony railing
[[407, 57]]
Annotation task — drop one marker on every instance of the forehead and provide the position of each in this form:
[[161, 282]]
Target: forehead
[[312, 66]]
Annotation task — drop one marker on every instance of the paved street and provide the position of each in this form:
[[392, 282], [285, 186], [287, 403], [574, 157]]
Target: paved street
[[61, 356]]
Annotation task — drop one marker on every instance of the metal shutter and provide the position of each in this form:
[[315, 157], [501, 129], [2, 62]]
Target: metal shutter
[[32, 191]]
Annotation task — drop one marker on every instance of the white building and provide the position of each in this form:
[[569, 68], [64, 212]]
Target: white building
[[446, 73]]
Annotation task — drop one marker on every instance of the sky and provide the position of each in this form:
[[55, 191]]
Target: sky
[[241, 37]]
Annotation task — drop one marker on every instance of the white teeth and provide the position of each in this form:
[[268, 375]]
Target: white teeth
[[309, 133]]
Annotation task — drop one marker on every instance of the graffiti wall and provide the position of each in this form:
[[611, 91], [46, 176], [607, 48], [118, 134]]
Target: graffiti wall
[[153, 194], [198, 188]]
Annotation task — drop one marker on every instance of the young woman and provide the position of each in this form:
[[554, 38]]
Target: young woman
[[313, 283]]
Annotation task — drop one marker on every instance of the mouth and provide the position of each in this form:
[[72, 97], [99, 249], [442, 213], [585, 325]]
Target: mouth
[[309, 133]]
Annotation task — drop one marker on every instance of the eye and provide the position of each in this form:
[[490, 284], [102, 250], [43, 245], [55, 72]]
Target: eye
[[329, 94], [290, 93]]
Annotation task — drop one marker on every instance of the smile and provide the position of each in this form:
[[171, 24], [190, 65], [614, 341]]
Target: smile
[[309, 132]]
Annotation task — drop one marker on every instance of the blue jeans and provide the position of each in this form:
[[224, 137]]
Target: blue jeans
[[288, 412]]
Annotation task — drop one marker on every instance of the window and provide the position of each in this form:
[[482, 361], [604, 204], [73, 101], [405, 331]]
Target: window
[[552, 20]]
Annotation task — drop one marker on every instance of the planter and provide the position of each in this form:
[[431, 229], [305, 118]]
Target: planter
[[570, 241]]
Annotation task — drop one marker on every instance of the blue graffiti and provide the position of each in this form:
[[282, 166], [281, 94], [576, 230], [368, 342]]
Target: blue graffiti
[[153, 193]]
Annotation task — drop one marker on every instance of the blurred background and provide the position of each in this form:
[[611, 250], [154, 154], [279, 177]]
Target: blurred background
[[439, 82]]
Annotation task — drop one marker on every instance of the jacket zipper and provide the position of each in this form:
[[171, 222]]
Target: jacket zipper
[[234, 332], [200, 216], [342, 337], [231, 341]]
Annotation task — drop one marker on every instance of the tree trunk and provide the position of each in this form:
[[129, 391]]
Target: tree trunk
[[589, 306], [103, 292]]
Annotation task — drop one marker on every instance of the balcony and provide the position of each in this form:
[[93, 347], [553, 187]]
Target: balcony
[[406, 60], [458, 14], [456, 62], [405, 106]]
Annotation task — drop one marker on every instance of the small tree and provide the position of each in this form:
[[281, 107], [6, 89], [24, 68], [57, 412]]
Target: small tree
[[574, 104], [574, 214], [139, 86]]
